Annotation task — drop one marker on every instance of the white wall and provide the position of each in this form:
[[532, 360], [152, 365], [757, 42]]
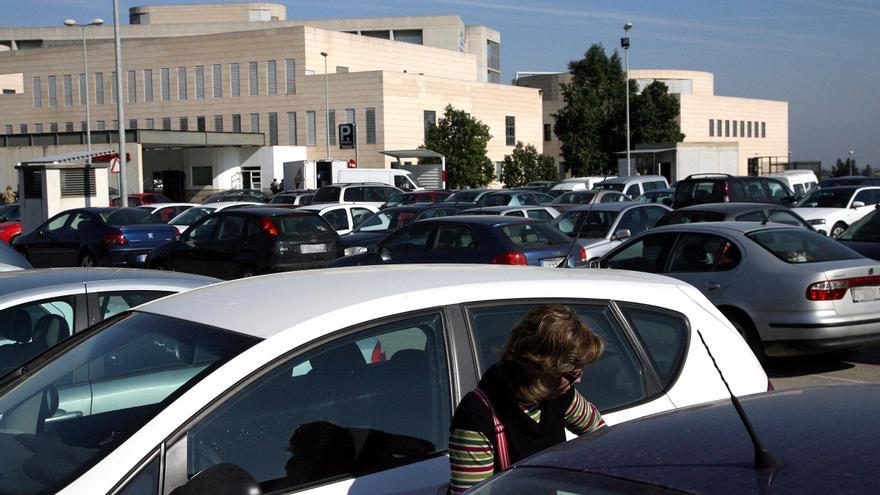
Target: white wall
[[705, 160]]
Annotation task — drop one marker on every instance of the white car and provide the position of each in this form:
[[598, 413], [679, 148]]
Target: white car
[[546, 213], [342, 217], [578, 184], [831, 210], [347, 387], [607, 225], [194, 214]]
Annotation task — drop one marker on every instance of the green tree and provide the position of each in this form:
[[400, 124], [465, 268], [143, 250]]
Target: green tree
[[463, 140], [591, 125], [867, 171], [525, 165], [844, 167]]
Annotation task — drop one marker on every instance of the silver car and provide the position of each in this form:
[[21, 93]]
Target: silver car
[[10, 259], [41, 308], [607, 225], [788, 291], [546, 213]]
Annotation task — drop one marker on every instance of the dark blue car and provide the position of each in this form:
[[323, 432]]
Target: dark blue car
[[863, 236], [95, 237], [377, 226], [472, 239]]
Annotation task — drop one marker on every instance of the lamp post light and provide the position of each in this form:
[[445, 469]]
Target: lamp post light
[[73, 23], [624, 43], [326, 105], [852, 163]]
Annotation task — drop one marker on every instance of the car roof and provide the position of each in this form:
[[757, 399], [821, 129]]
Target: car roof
[[508, 208], [244, 302], [412, 207], [24, 280], [226, 204], [731, 207], [822, 434], [631, 178], [730, 227], [269, 211], [617, 206], [490, 220]]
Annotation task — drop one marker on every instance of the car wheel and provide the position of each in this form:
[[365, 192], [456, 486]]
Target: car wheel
[[746, 328], [87, 260], [838, 229]]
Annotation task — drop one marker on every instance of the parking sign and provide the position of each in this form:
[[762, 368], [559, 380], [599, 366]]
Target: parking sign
[[346, 136]]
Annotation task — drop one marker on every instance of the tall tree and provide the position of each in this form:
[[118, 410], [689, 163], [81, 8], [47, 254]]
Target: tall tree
[[525, 165], [844, 167], [463, 140], [591, 125]]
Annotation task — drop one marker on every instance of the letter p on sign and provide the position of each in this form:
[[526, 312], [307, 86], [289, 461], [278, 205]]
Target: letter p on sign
[[346, 136]]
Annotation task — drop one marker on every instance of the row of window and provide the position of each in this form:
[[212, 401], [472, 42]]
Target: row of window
[[220, 125], [737, 128], [141, 89]]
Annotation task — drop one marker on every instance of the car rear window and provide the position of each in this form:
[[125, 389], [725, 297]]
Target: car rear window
[[130, 216], [801, 246], [596, 225], [532, 234], [691, 192], [297, 225], [326, 195], [579, 197], [609, 187], [679, 217]]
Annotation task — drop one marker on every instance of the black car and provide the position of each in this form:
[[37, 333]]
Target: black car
[[95, 237], [850, 180], [699, 189], [245, 242], [824, 440], [377, 226], [733, 212], [863, 236]]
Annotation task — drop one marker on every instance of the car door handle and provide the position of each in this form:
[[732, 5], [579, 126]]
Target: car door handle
[[712, 286]]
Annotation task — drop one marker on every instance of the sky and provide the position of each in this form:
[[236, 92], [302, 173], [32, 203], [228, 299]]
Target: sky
[[820, 56]]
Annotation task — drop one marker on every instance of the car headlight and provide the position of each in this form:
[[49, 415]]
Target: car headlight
[[816, 221], [351, 251]]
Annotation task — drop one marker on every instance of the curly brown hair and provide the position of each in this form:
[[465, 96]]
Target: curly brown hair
[[548, 343]]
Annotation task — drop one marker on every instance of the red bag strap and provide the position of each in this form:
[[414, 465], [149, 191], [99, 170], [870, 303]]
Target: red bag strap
[[500, 437]]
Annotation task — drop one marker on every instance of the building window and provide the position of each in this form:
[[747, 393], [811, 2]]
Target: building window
[[200, 124], [726, 128], [273, 129], [234, 87], [408, 36], [68, 127], [8, 129], [82, 89], [166, 123], [310, 129], [291, 129], [255, 122], [742, 128], [53, 127], [341, 69], [383, 34], [202, 176], [83, 125], [114, 95], [38, 128], [53, 96], [23, 128], [749, 128], [236, 123], [132, 87], [115, 125], [38, 93], [429, 118], [99, 125], [218, 123], [165, 76], [150, 124], [756, 129], [252, 79], [218, 80], [711, 127], [184, 124], [718, 128], [763, 129], [68, 90], [200, 82], [290, 65], [734, 129], [181, 83], [510, 130], [271, 78], [493, 55], [331, 126], [548, 132], [99, 88], [148, 85], [371, 126], [132, 123], [349, 116]]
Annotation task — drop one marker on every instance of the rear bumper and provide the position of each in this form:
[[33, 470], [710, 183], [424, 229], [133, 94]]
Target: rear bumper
[[127, 258], [289, 267], [816, 337]]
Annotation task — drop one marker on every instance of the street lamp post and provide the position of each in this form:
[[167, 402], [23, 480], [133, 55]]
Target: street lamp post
[[123, 182], [852, 163], [326, 105], [624, 43], [93, 22]]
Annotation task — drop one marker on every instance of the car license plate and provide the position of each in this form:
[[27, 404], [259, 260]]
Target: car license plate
[[141, 258], [551, 262], [313, 248], [864, 294]]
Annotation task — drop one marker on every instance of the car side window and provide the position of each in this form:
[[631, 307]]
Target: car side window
[[663, 334], [375, 194], [703, 253], [631, 220], [867, 196], [353, 194], [337, 219], [203, 231], [753, 190], [799, 189], [146, 482], [633, 191], [653, 213], [454, 237], [752, 216], [230, 228], [515, 213], [29, 329], [366, 402], [408, 239], [112, 303], [539, 214], [615, 380], [358, 215], [81, 219], [778, 192], [647, 254], [57, 223], [786, 217]]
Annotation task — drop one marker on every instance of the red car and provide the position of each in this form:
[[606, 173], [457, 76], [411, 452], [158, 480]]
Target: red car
[[138, 199], [10, 223]]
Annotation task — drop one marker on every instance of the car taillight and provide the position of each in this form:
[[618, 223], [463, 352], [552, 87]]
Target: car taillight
[[117, 238], [726, 192], [268, 227], [583, 255], [833, 290], [770, 386], [510, 259]]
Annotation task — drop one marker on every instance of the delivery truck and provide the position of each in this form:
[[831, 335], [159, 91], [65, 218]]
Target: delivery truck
[[312, 174]]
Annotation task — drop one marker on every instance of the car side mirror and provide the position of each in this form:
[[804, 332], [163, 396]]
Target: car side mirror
[[858, 204], [600, 263], [225, 479], [621, 235]]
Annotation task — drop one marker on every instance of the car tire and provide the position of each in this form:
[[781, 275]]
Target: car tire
[[746, 328], [838, 229], [86, 260]]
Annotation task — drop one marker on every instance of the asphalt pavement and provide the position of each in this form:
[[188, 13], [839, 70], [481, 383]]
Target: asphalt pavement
[[861, 367]]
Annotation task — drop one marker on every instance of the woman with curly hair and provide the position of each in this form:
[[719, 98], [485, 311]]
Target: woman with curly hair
[[525, 402]]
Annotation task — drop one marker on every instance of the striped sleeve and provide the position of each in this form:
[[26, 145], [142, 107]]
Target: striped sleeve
[[582, 416], [471, 459]]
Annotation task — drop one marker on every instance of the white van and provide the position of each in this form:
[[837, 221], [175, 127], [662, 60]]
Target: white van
[[401, 179], [799, 181], [578, 184], [634, 186]]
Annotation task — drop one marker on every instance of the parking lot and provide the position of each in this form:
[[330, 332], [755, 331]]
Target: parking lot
[[862, 367]]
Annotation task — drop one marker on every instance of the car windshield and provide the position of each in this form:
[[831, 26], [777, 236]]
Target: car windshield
[[528, 480], [75, 409], [385, 220], [9, 213], [867, 229], [577, 197], [602, 186], [597, 224], [191, 215], [826, 198], [802, 246], [127, 216], [526, 235]]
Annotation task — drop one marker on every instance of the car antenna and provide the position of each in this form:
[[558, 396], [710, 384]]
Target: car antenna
[[577, 230], [764, 459], [764, 216]]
